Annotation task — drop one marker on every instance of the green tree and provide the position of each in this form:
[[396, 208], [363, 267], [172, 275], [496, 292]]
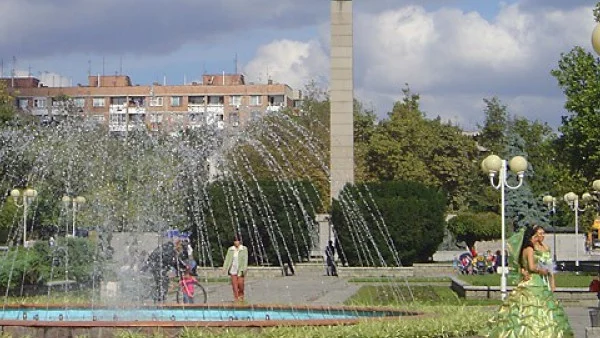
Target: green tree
[[539, 141], [389, 223], [7, 111], [522, 207], [471, 227], [578, 74], [365, 123], [495, 126], [407, 146]]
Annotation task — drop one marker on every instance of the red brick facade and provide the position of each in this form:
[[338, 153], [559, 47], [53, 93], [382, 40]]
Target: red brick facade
[[225, 99]]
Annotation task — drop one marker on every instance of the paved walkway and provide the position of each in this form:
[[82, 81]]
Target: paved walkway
[[296, 290], [314, 289]]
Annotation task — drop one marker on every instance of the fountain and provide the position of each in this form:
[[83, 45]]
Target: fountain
[[265, 182]]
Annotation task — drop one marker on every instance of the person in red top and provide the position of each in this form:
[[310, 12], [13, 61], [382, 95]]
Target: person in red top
[[187, 284], [595, 287]]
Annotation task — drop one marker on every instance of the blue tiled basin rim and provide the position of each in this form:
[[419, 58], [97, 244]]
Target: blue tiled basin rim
[[163, 314]]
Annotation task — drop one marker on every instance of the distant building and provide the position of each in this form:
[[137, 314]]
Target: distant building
[[224, 99]]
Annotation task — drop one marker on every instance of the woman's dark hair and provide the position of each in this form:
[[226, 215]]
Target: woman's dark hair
[[536, 228], [529, 232]]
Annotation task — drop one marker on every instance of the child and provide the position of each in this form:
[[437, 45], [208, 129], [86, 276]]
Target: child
[[187, 283]]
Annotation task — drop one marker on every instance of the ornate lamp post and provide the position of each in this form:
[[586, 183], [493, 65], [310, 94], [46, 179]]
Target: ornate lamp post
[[551, 203], [494, 166], [573, 201], [27, 196], [76, 203]]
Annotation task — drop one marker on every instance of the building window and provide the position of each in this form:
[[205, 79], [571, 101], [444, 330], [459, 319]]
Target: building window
[[118, 100], [195, 117], [175, 101], [98, 118], [117, 118], [276, 100], [39, 103], [236, 100], [156, 101], [196, 100], [23, 103], [255, 100], [216, 100], [98, 102], [234, 119], [79, 102]]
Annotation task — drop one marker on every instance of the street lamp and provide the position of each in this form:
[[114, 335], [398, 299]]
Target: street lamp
[[551, 203], [573, 201], [493, 165], [596, 38], [27, 196], [76, 203]]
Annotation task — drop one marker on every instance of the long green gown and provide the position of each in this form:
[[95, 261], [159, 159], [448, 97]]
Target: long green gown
[[531, 310]]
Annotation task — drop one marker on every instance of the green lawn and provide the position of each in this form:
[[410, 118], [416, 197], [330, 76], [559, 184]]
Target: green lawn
[[563, 279], [399, 280], [400, 295]]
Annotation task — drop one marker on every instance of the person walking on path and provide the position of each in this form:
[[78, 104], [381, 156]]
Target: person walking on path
[[236, 265], [330, 259]]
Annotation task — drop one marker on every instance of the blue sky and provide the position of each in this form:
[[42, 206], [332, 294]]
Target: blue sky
[[453, 53]]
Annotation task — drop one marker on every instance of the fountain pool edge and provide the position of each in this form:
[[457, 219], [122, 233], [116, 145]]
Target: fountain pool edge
[[376, 313]]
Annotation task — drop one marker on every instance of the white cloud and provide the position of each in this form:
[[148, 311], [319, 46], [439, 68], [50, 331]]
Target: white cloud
[[452, 58], [291, 62]]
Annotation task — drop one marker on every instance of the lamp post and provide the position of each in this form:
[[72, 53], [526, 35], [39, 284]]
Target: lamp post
[[572, 200], [27, 196], [551, 203], [596, 38], [76, 202], [494, 166]]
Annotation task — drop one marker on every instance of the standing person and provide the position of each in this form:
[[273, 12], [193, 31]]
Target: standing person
[[330, 259], [531, 310], [595, 287], [236, 265], [187, 283]]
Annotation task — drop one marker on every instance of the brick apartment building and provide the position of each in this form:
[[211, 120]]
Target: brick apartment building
[[224, 99]]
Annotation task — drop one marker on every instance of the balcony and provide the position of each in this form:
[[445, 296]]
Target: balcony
[[117, 127], [116, 109], [39, 111], [123, 109], [274, 108], [196, 108]]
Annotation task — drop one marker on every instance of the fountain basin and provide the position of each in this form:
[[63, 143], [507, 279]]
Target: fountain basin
[[187, 313], [63, 321]]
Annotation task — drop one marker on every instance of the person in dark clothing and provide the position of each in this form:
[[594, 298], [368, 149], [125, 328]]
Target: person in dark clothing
[[287, 265], [330, 259], [159, 262]]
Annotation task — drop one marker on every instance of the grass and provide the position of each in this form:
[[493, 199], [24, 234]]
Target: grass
[[399, 280], [399, 295], [56, 298], [563, 279]]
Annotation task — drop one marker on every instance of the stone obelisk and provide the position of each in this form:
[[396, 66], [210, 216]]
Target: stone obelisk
[[341, 96]]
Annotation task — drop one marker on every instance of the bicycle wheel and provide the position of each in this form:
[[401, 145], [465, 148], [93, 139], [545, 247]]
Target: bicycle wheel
[[200, 296]]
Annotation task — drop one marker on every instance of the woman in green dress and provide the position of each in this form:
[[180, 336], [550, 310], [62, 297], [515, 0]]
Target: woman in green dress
[[531, 310]]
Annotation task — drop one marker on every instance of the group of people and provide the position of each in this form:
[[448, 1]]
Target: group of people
[[530, 310], [472, 263]]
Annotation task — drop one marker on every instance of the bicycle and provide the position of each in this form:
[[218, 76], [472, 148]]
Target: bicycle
[[200, 296]]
